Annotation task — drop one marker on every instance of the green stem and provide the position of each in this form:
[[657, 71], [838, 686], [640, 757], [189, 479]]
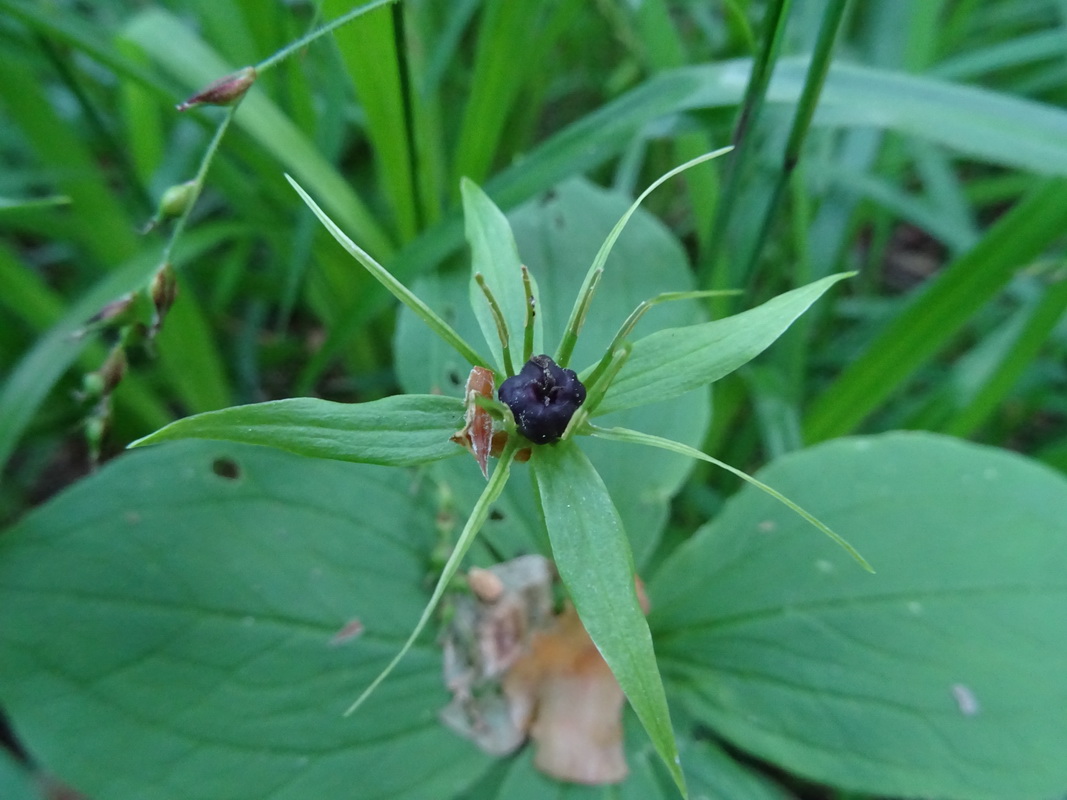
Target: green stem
[[198, 180], [762, 67], [329, 27], [805, 111], [498, 319]]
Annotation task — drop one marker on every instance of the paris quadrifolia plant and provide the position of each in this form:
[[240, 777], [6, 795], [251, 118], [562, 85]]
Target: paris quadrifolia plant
[[523, 404]]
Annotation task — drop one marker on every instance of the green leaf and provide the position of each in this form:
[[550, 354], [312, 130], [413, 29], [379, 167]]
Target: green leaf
[[594, 561], [395, 431], [194, 623], [710, 770], [668, 363], [941, 676], [495, 255]]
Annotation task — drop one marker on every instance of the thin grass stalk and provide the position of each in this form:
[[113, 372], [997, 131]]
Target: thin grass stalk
[[711, 273], [329, 27], [809, 100], [198, 181]]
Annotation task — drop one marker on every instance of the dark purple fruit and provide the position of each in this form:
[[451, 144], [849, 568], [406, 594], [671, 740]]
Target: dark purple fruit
[[543, 397]]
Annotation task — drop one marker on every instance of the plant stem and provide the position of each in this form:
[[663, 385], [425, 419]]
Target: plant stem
[[198, 181], [711, 273], [329, 27], [809, 99]]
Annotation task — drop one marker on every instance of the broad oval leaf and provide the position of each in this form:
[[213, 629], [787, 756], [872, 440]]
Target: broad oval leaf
[[195, 606], [594, 561], [668, 363], [398, 431], [940, 676]]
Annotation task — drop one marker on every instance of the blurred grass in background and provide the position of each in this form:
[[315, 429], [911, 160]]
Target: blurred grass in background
[[934, 164]]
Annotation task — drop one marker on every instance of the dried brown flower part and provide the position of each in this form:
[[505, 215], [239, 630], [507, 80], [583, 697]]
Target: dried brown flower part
[[223, 92], [516, 671], [477, 433], [573, 705], [117, 311], [163, 291], [486, 585], [489, 631]]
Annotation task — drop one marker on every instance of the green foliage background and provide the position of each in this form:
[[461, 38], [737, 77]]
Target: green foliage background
[[176, 619]]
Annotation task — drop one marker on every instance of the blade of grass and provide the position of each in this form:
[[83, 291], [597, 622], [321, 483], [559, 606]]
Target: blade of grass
[[934, 319], [104, 228], [710, 271], [190, 357], [368, 48], [80, 33], [501, 64], [833, 15], [424, 108], [30, 381], [665, 49], [25, 295], [1028, 343]]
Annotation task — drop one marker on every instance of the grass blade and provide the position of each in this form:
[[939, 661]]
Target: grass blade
[[937, 315]]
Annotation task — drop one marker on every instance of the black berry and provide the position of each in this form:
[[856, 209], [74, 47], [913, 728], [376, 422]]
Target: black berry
[[543, 397]]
